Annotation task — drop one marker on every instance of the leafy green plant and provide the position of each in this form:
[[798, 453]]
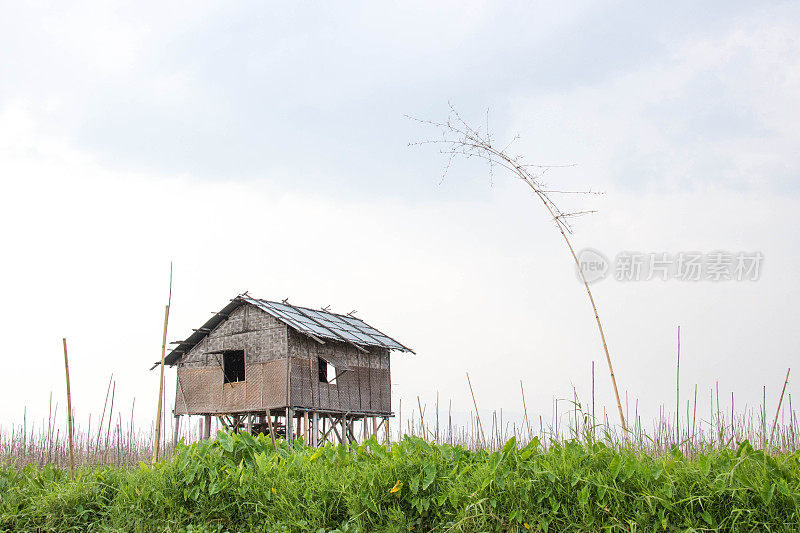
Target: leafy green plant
[[241, 483]]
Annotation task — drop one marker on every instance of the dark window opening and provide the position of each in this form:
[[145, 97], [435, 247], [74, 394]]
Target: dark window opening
[[327, 373], [233, 366], [323, 370]]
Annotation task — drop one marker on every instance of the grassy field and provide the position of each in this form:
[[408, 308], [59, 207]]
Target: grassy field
[[240, 483]]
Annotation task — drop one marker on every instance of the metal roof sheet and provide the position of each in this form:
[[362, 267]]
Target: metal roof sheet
[[327, 325], [318, 324]]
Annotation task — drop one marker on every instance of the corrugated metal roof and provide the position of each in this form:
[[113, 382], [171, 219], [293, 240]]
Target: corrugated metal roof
[[327, 325], [318, 324]]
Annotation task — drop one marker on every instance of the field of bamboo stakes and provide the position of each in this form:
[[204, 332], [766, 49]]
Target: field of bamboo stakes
[[118, 441]]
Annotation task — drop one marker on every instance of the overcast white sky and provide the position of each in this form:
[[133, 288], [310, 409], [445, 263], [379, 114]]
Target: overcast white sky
[[264, 148]]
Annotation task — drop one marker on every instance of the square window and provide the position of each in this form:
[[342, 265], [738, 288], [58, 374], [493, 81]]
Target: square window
[[233, 366], [327, 372]]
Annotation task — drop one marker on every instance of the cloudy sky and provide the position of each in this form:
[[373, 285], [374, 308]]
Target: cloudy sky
[[265, 147]]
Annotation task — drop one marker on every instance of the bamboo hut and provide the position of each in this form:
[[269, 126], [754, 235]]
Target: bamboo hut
[[276, 368]]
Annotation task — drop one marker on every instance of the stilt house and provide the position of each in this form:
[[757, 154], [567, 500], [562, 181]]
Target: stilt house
[[277, 368]]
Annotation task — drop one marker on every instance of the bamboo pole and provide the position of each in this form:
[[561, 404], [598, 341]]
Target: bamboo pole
[[593, 416], [437, 417], [160, 386], [525, 175], [764, 417], [161, 378], [103, 416], [421, 420], [525, 408], [450, 420], [694, 415], [50, 425], [775, 422], [469, 142], [111, 413], [69, 411], [477, 414], [678, 391]]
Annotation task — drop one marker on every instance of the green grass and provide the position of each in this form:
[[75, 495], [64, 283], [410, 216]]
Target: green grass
[[238, 483]]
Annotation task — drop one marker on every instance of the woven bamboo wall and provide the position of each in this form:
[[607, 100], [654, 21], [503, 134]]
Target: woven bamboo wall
[[201, 390], [262, 336], [366, 388], [264, 339]]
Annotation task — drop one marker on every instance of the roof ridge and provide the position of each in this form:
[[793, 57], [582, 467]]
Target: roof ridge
[[308, 308]]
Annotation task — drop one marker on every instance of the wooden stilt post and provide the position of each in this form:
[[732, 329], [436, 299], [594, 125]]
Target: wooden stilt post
[[176, 431], [305, 427], [271, 429], [299, 432], [288, 425], [364, 429], [375, 426], [206, 426], [249, 423], [314, 429]]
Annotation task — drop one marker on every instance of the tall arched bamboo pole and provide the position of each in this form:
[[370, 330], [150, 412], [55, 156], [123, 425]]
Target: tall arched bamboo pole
[[470, 142], [523, 173]]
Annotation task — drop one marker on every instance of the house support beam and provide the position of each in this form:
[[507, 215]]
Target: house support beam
[[271, 429], [176, 431], [288, 425], [206, 426], [314, 429], [334, 423]]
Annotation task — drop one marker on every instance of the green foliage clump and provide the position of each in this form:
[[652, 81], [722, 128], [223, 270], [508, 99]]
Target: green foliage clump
[[240, 483]]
